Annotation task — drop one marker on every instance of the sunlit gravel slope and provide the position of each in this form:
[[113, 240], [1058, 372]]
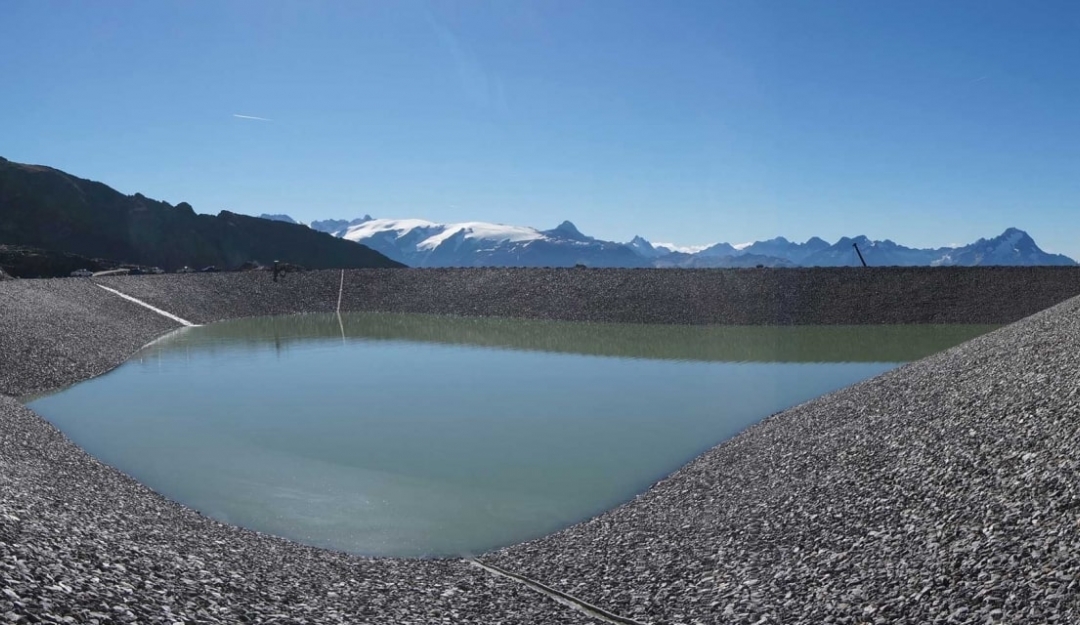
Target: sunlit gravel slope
[[726, 296], [80, 540], [946, 489]]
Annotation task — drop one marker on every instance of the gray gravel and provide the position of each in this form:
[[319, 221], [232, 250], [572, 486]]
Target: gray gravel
[[944, 490], [80, 542], [66, 330], [56, 332], [725, 296]]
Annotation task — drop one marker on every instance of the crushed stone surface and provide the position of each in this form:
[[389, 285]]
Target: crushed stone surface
[[945, 491], [809, 296], [81, 542]]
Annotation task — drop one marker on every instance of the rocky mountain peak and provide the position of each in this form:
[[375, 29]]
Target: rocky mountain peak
[[567, 230]]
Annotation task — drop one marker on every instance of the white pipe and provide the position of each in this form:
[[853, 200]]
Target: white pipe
[[159, 311]]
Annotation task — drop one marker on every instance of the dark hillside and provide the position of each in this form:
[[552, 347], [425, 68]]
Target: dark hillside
[[31, 262], [47, 208]]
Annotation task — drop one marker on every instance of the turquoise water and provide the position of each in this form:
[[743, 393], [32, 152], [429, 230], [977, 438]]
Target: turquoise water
[[409, 435]]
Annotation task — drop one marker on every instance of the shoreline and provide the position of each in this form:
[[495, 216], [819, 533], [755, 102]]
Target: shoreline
[[648, 559]]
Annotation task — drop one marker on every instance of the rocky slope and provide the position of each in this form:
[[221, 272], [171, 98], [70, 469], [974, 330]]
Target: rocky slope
[[944, 491]]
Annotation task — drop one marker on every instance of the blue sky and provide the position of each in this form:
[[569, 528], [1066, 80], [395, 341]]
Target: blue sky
[[690, 122]]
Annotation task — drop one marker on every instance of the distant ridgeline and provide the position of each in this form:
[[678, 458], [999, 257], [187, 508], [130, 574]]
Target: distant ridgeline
[[45, 208], [421, 243]]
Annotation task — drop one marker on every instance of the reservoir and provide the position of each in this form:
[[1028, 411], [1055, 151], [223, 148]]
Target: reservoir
[[426, 436]]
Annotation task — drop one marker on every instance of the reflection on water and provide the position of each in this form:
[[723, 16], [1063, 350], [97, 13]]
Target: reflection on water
[[901, 343], [416, 435]]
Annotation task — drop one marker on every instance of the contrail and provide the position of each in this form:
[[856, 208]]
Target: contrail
[[261, 119]]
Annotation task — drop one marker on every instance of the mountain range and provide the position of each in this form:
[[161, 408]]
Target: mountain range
[[50, 219], [421, 243]]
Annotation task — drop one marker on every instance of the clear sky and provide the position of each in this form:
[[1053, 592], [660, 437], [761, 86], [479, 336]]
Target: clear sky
[[926, 122]]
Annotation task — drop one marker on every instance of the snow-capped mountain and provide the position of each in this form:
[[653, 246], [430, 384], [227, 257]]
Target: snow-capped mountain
[[646, 249], [568, 232], [1012, 247], [331, 226], [421, 243]]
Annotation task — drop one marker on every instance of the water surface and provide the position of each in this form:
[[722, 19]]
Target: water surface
[[413, 435]]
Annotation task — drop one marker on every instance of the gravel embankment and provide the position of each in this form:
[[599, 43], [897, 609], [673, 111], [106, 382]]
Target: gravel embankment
[[66, 330], [82, 543], [56, 332], [945, 489], [734, 297]]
